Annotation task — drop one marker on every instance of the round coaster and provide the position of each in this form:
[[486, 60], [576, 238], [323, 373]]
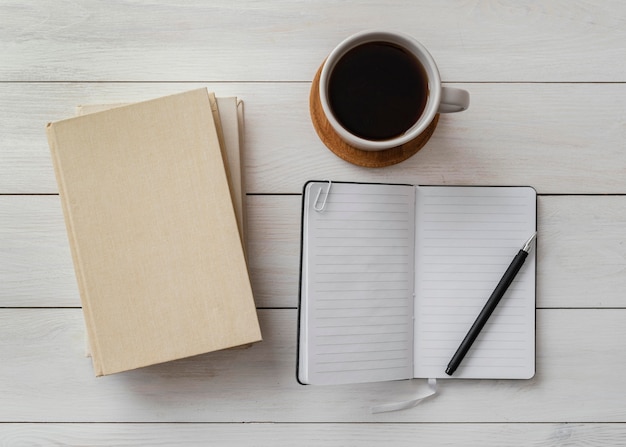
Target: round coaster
[[359, 157]]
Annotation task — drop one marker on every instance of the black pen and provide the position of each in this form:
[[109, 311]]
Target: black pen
[[491, 304]]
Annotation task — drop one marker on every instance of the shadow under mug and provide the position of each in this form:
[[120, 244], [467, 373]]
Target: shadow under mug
[[438, 99]]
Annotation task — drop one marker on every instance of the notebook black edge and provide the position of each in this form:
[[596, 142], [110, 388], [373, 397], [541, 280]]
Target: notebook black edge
[[302, 202]]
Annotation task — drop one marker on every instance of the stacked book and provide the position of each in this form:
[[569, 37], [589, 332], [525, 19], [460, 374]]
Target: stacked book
[[152, 197]]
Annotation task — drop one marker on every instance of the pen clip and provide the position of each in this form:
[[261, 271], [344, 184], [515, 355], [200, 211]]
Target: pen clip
[[316, 206]]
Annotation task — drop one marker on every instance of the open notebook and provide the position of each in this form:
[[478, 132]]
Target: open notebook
[[393, 276]]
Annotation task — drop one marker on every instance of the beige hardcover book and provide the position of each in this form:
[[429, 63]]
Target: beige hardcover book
[[152, 229], [231, 114], [229, 121]]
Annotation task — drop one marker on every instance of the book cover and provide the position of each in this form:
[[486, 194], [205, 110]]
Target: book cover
[[229, 123], [152, 228]]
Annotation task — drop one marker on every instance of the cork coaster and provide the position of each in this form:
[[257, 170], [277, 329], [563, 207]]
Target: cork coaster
[[359, 157]]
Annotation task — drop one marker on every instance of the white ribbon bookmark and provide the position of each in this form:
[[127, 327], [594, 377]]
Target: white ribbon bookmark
[[396, 406]]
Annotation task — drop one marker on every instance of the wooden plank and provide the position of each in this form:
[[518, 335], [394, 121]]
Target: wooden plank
[[554, 40], [270, 434], [581, 261], [44, 377], [544, 140], [530, 122], [582, 254], [35, 261], [274, 249]]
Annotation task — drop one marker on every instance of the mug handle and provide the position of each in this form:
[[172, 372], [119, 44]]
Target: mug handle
[[453, 100]]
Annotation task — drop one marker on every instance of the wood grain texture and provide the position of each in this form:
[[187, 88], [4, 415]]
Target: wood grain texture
[[35, 260], [328, 434], [552, 40], [548, 99], [46, 378], [582, 254], [513, 134], [582, 248]]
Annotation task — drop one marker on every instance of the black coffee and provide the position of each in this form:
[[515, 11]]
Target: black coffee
[[378, 90]]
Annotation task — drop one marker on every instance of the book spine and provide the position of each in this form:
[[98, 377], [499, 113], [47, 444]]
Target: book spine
[[80, 279]]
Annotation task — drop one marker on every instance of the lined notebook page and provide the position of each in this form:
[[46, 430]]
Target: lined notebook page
[[356, 310], [466, 238]]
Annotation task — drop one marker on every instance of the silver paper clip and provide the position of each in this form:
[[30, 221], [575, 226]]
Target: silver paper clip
[[316, 206]]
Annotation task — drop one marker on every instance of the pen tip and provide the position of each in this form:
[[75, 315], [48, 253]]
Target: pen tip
[[529, 243]]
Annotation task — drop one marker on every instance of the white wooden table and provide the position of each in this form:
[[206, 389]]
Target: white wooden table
[[548, 86]]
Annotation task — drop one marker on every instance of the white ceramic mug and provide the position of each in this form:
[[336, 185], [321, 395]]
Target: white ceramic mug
[[440, 99]]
